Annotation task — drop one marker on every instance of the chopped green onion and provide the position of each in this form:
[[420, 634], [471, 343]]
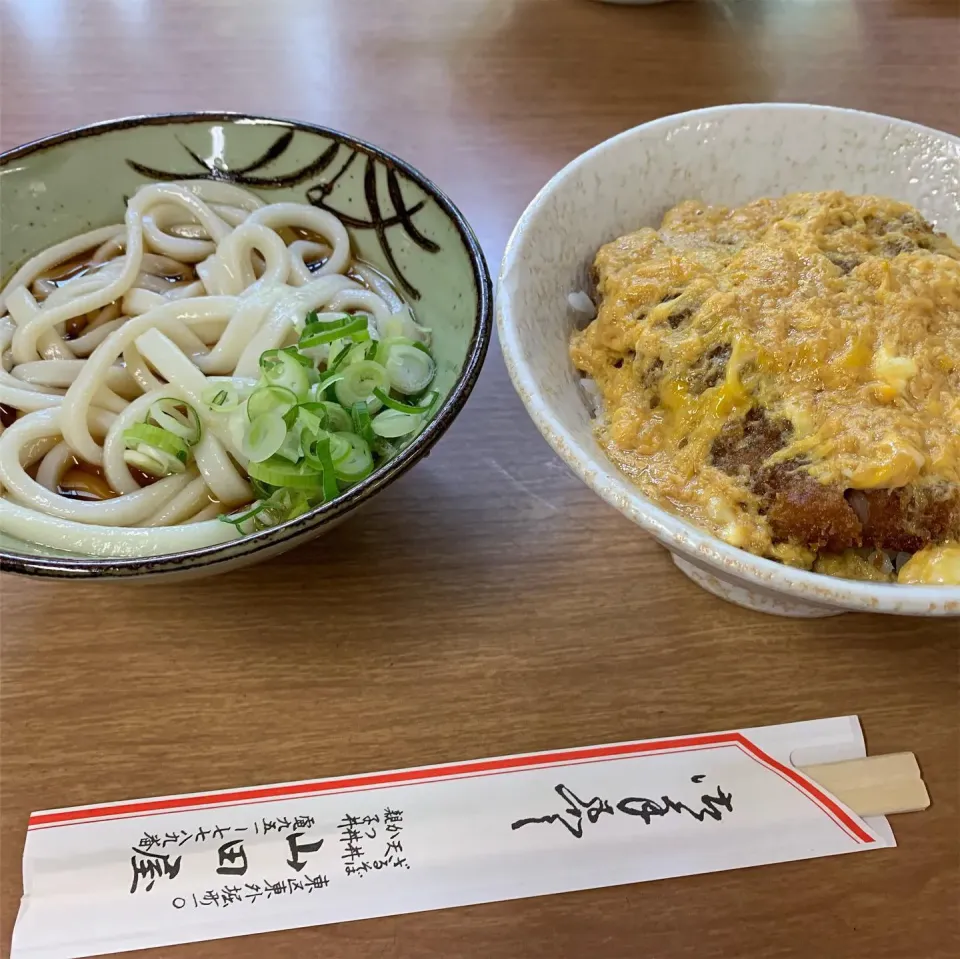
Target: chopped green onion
[[403, 324], [320, 456], [428, 400], [270, 399], [178, 418], [280, 472], [291, 416], [310, 417], [234, 520], [386, 345], [304, 361], [359, 463], [385, 449], [391, 424], [154, 462], [319, 338], [337, 417], [340, 447], [337, 446], [263, 437], [358, 382], [275, 506], [286, 370], [302, 446], [337, 353], [221, 399], [410, 369], [286, 504], [291, 448], [319, 322], [261, 489], [297, 503], [360, 414], [326, 381], [158, 438], [361, 352], [425, 405]]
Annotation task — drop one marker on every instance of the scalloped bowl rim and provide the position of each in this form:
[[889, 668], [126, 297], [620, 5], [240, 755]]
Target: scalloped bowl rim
[[297, 529], [675, 533]]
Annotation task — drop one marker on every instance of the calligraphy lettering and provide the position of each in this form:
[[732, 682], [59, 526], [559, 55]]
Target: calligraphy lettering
[[648, 809], [152, 866], [575, 809], [571, 818], [296, 848], [233, 858]]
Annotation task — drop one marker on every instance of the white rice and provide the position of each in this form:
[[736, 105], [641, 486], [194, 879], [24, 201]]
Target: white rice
[[592, 395], [582, 303]]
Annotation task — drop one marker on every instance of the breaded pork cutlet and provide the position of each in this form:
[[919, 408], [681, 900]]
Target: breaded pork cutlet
[[825, 517]]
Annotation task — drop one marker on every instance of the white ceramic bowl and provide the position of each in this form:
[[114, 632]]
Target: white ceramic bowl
[[727, 155]]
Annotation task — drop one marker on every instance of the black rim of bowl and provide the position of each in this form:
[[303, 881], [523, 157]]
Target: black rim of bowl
[[297, 529]]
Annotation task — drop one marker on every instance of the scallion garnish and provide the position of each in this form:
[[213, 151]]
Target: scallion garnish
[[392, 424], [414, 409], [283, 369], [320, 418], [265, 435], [358, 464], [283, 473], [384, 347], [223, 398], [311, 417], [360, 414], [321, 455], [338, 419], [352, 329], [358, 381], [261, 489], [291, 449], [317, 322], [271, 398], [238, 519], [175, 416], [409, 368], [158, 438]]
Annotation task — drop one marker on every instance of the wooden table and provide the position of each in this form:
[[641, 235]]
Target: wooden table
[[520, 612]]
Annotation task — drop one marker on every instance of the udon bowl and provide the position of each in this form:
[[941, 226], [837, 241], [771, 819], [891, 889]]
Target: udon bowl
[[725, 155], [399, 222]]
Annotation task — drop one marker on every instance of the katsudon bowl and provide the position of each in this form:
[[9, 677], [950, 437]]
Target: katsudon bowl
[[728, 156]]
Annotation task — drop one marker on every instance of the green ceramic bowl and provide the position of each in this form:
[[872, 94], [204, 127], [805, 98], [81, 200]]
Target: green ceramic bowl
[[397, 219]]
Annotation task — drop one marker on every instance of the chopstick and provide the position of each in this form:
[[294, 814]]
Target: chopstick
[[875, 785]]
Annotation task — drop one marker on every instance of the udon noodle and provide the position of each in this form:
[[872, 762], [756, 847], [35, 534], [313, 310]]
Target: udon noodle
[[165, 323]]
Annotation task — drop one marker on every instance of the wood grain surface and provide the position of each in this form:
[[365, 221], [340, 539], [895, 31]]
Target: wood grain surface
[[488, 602]]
